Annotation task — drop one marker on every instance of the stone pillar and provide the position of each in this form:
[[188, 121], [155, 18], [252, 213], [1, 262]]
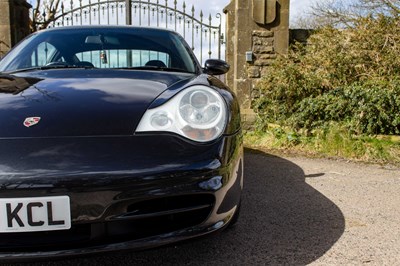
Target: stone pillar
[[230, 41], [14, 23], [259, 28]]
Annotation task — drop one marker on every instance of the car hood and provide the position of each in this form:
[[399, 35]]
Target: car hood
[[79, 102]]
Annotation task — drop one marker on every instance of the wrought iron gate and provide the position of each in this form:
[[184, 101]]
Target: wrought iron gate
[[199, 31]]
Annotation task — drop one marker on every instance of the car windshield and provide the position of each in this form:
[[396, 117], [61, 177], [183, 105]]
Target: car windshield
[[127, 48]]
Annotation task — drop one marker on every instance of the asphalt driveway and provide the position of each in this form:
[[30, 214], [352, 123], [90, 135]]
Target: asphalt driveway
[[295, 211]]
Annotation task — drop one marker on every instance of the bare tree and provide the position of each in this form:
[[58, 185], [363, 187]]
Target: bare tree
[[387, 7], [44, 13], [343, 13]]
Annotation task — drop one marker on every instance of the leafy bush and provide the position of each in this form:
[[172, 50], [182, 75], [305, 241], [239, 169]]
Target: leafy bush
[[366, 108], [349, 76]]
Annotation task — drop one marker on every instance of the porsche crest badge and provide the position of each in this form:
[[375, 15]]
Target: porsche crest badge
[[31, 121]]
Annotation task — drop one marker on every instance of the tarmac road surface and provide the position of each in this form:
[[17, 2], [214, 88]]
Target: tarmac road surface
[[295, 211]]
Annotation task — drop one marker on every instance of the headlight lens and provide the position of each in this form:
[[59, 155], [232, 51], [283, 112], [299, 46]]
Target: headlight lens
[[198, 113], [160, 120]]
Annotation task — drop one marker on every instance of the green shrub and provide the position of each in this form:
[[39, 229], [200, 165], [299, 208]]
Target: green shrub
[[366, 108], [350, 77]]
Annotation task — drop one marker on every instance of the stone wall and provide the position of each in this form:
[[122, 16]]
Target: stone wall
[[263, 53], [14, 23], [263, 34]]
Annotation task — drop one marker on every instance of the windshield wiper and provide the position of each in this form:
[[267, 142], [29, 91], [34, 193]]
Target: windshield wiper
[[157, 68], [52, 66]]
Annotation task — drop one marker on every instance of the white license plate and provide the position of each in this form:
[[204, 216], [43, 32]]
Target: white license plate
[[34, 214]]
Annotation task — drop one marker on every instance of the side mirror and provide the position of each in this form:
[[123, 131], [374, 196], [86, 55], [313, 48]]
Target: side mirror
[[216, 67]]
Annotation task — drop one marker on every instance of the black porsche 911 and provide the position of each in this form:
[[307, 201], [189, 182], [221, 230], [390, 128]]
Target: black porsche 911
[[113, 138]]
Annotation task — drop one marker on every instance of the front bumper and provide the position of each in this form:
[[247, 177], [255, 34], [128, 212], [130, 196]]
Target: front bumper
[[125, 192]]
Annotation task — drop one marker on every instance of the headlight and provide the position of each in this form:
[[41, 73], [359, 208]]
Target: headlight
[[198, 113]]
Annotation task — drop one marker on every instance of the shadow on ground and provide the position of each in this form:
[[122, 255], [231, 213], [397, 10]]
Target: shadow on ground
[[283, 221]]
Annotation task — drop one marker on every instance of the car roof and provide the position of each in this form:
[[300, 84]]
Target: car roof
[[116, 27]]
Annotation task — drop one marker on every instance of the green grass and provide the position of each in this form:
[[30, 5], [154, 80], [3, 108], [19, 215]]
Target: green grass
[[331, 142]]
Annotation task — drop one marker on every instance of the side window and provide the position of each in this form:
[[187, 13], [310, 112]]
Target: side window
[[44, 54]]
